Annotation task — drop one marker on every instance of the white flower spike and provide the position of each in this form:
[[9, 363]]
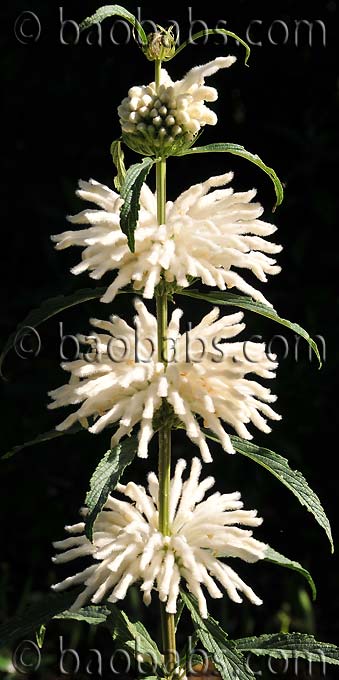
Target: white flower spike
[[154, 119], [208, 234], [128, 547], [123, 381]]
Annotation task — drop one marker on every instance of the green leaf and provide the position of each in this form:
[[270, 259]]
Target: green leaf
[[105, 478], [118, 160], [180, 609], [131, 636], [6, 666], [292, 479], [290, 646], [45, 437], [245, 302], [134, 636], [130, 193], [40, 636], [237, 150], [36, 615], [92, 614], [214, 31], [276, 558], [114, 10], [225, 656], [50, 308]]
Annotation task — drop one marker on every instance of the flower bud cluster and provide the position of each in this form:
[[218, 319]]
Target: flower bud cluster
[[164, 119], [157, 117]]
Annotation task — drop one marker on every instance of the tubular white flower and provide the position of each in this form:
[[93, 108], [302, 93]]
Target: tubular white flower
[[173, 111], [128, 547], [122, 380], [206, 235]]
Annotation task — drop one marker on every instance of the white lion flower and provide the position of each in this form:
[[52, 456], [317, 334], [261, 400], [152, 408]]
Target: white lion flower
[[154, 118], [206, 235], [128, 546], [121, 380]]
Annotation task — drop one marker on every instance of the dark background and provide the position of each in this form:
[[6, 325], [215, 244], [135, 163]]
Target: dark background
[[59, 106]]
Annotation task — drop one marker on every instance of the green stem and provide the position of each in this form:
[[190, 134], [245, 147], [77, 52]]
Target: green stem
[[167, 620], [161, 190], [164, 478], [157, 73]]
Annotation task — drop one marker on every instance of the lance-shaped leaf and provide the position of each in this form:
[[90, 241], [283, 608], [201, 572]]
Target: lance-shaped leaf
[[245, 302], [36, 615], [134, 637], [214, 31], [290, 646], [118, 160], [276, 558], [237, 150], [180, 609], [40, 636], [47, 310], [130, 193], [292, 479], [105, 478], [40, 439], [114, 10], [93, 614], [225, 656]]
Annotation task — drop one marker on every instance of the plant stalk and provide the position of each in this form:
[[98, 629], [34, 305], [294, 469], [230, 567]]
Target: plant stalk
[[167, 620], [157, 73]]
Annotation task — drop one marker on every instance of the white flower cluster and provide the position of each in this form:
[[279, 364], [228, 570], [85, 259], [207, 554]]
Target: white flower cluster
[[210, 233], [128, 547], [172, 110], [204, 378], [207, 235]]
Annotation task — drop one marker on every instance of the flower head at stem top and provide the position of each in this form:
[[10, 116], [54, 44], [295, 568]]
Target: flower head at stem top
[[164, 119], [128, 547], [161, 45]]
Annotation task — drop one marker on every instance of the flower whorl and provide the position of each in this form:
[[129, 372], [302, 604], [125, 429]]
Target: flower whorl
[[128, 547]]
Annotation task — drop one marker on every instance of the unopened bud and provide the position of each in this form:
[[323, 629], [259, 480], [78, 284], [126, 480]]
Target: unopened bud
[[160, 45]]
